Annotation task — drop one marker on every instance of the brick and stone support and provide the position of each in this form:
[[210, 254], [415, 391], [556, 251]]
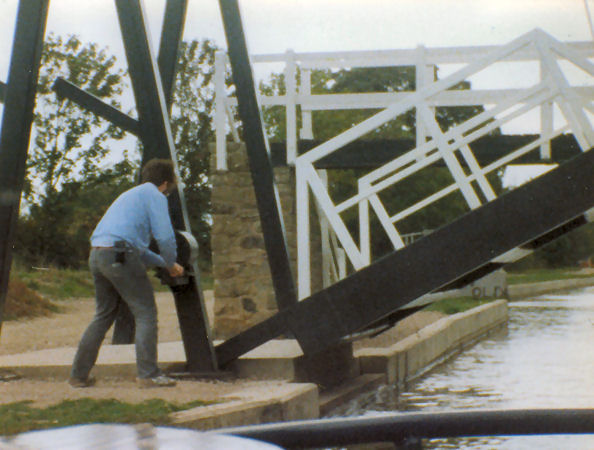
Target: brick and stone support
[[243, 288]]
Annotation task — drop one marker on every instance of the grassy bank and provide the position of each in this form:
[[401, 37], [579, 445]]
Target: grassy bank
[[460, 304], [455, 305], [21, 417], [538, 276]]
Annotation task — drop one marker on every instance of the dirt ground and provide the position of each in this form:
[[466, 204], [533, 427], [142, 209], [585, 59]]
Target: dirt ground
[[65, 328]]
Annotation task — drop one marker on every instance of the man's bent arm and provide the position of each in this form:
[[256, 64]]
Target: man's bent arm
[[162, 230]]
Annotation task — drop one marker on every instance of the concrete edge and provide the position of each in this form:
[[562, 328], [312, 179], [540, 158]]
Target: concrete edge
[[403, 361], [518, 291], [417, 353], [286, 402], [335, 397]]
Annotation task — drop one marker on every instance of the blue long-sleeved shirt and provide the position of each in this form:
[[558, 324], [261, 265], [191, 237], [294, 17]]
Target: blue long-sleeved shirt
[[135, 216]]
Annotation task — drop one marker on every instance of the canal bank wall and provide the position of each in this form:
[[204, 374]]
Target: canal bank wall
[[418, 353], [519, 291]]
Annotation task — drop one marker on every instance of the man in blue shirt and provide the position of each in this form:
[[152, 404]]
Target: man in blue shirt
[[119, 257]]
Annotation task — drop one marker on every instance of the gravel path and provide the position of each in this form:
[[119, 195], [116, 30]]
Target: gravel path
[[64, 330]]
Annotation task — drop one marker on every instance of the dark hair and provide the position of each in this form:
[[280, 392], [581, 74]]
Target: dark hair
[[157, 171]]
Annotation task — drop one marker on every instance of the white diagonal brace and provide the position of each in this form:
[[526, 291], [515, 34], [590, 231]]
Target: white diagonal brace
[[571, 105], [449, 157], [321, 194]]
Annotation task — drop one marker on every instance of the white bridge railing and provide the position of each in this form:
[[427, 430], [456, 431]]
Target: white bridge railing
[[564, 108]]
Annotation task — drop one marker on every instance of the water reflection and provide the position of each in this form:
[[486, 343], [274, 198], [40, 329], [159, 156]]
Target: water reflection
[[543, 359]]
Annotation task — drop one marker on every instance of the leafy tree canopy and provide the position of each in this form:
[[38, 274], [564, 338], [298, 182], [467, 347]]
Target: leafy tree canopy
[[66, 181], [69, 184], [69, 142]]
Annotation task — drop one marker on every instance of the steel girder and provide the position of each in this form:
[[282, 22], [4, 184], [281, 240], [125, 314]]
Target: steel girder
[[259, 159], [171, 35], [531, 214], [17, 118], [171, 38], [157, 141], [94, 104]]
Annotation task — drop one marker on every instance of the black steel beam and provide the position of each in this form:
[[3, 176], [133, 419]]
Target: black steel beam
[[97, 106], [399, 426], [17, 118], [372, 153], [171, 37], [447, 254], [2, 91], [157, 142], [259, 161], [171, 34], [554, 201], [253, 337]]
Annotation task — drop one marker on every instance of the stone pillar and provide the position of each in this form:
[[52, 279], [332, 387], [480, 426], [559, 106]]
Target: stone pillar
[[243, 288]]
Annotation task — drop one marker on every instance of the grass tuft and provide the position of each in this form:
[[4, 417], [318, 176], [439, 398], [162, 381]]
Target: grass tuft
[[20, 417], [538, 276], [455, 305]]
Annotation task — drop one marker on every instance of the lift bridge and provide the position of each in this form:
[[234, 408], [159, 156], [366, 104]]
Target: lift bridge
[[360, 291]]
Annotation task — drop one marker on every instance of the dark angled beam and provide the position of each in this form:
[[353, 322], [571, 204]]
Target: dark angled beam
[[157, 141], [259, 161], [171, 37], [251, 338], [17, 117], [372, 153], [557, 201], [155, 130], [2, 91], [171, 34], [400, 427], [94, 104], [510, 221]]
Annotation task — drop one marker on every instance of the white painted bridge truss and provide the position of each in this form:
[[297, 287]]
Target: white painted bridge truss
[[564, 106]]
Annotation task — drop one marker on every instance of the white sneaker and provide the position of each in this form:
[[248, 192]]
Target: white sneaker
[[158, 381]]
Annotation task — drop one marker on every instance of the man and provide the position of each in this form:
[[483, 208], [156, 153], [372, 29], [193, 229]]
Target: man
[[118, 260]]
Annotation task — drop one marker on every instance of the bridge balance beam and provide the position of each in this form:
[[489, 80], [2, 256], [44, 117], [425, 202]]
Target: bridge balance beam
[[533, 210], [155, 133], [373, 153], [260, 165], [17, 118]]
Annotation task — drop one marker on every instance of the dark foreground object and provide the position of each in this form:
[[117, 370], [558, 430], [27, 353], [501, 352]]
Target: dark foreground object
[[129, 437], [402, 427]]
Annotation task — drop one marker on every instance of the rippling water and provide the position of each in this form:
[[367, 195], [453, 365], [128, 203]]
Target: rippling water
[[544, 358]]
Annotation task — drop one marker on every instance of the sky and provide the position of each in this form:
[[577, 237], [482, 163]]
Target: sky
[[325, 25], [273, 26]]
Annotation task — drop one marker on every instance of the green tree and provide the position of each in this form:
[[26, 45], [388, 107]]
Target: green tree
[[76, 208], [68, 149], [327, 124]]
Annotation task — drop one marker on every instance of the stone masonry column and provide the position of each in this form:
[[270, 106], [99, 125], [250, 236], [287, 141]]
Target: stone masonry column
[[243, 288]]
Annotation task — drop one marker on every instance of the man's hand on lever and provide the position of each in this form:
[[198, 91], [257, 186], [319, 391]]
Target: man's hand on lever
[[176, 270]]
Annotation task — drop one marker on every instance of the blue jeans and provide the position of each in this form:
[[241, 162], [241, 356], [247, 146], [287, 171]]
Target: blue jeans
[[128, 281]]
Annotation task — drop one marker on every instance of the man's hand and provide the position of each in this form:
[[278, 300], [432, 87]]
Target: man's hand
[[176, 270]]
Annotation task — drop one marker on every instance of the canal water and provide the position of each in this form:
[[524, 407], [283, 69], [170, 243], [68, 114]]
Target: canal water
[[543, 358]]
